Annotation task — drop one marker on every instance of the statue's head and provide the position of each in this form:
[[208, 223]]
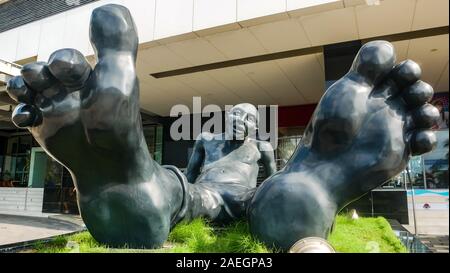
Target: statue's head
[[242, 121]]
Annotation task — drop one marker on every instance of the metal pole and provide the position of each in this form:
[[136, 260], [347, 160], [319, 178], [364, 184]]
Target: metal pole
[[413, 200], [371, 202]]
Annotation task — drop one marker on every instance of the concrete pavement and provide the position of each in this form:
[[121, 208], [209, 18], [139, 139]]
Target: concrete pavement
[[17, 229]]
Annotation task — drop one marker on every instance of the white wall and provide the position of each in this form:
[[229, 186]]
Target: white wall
[[21, 199], [68, 29], [210, 13], [155, 19]]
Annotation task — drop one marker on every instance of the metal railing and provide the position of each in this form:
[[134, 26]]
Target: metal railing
[[8, 70]]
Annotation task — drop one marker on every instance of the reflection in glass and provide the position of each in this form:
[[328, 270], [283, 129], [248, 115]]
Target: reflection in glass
[[153, 137], [436, 163], [59, 191], [397, 182], [16, 162], [416, 172], [288, 140]]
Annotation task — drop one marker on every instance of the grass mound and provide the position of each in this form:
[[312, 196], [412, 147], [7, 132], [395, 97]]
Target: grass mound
[[364, 235], [199, 236]]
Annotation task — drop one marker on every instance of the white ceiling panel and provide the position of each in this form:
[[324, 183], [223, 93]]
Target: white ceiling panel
[[197, 51], [321, 60], [236, 80], [173, 88], [156, 101], [210, 88], [160, 58], [391, 16], [159, 104], [431, 54], [331, 26], [271, 78], [401, 49], [306, 74], [142, 70], [236, 44], [281, 36], [430, 13], [442, 85]]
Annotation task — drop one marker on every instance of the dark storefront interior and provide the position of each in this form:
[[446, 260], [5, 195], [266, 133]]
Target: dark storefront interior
[[23, 164]]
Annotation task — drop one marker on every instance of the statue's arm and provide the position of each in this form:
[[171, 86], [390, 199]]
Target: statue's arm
[[267, 158], [196, 160]]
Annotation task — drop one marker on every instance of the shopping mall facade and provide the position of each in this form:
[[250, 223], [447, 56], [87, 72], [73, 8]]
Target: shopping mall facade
[[265, 52]]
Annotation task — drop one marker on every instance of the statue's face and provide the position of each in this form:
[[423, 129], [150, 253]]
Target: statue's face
[[242, 121]]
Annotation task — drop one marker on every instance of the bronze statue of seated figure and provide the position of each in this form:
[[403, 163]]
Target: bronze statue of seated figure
[[363, 132]]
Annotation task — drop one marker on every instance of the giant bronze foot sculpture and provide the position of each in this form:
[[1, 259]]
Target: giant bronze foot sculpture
[[363, 132], [89, 120]]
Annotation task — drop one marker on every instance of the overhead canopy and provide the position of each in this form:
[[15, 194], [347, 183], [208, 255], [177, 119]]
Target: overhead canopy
[[174, 70]]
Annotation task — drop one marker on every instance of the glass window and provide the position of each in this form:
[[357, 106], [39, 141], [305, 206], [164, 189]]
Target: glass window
[[24, 144], [158, 144], [16, 161], [416, 172], [153, 137], [436, 163], [288, 140], [397, 182]]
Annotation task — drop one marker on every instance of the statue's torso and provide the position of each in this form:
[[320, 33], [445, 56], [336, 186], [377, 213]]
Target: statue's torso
[[230, 162]]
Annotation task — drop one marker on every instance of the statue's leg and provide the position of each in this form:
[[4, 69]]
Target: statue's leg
[[217, 201], [220, 202], [363, 132]]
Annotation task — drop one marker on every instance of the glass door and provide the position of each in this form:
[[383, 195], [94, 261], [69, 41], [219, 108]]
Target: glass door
[[59, 191]]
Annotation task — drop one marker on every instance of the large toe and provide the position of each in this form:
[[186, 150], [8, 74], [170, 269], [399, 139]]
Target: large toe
[[112, 27], [374, 61], [37, 76], [417, 94], [70, 67], [423, 142], [425, 117], [26, 115], [18, 91]]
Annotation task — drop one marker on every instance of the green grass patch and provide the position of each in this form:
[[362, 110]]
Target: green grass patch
[[364, 235], [200, 237], [355, 236]]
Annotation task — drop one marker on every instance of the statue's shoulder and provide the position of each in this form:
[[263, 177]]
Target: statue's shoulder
[[264, 145]]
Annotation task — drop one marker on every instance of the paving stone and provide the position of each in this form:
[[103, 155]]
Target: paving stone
[[19, 229]]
